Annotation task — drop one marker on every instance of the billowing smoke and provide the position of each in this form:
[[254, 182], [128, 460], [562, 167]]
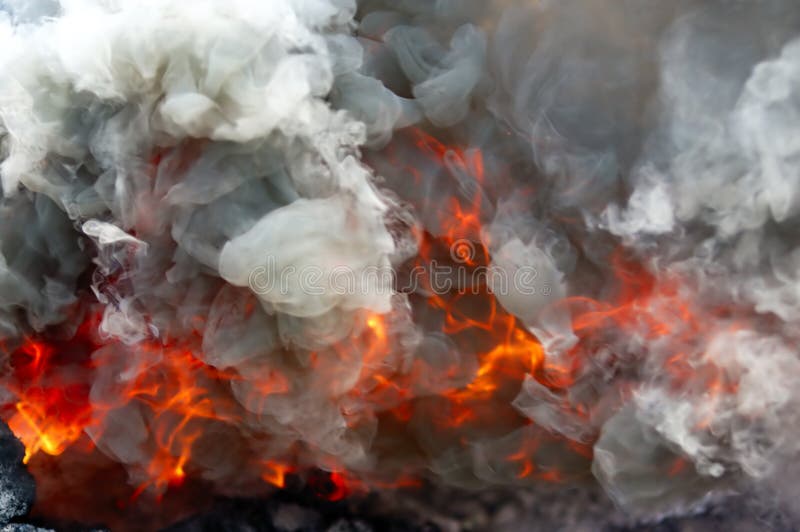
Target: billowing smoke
[[485, 244]]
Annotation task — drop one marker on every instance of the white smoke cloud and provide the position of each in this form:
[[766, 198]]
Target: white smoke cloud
[[173, 150]]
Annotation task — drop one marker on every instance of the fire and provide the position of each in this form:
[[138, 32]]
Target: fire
[[275, 473], [257, 246], [332, 486], [51, 388], [176, 394], [43, 424]]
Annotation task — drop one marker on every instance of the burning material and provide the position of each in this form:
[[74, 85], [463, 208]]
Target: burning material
[[400, 244]]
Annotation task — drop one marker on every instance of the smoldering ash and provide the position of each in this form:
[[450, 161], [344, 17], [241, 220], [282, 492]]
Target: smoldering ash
[[638, 159]]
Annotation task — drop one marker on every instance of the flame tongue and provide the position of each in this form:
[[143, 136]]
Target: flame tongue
[[489, 369], [454, 370], [365, 245], [50, 384]]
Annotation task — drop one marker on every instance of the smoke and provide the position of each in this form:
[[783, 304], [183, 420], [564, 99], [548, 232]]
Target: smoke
[[238, 209]]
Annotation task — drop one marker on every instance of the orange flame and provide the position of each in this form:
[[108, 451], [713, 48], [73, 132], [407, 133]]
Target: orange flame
[[177, 394]]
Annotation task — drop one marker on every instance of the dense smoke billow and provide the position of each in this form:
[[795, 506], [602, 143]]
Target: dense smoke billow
[[163, 163]]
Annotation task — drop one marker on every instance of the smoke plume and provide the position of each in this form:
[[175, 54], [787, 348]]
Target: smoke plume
[[484, 244]]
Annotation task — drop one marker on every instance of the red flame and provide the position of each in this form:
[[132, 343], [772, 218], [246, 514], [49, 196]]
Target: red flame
[[177, 393]]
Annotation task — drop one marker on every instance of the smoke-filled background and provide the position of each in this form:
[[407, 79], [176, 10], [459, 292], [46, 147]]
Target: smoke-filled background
[[640, 158]]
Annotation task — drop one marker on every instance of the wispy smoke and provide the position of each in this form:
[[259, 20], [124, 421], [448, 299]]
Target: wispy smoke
[[639, 156]]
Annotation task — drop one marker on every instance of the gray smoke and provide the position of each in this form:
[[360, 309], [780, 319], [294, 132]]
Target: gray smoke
[[175, 150]]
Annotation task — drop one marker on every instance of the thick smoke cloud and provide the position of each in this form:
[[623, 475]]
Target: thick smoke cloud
[[639, 156]]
